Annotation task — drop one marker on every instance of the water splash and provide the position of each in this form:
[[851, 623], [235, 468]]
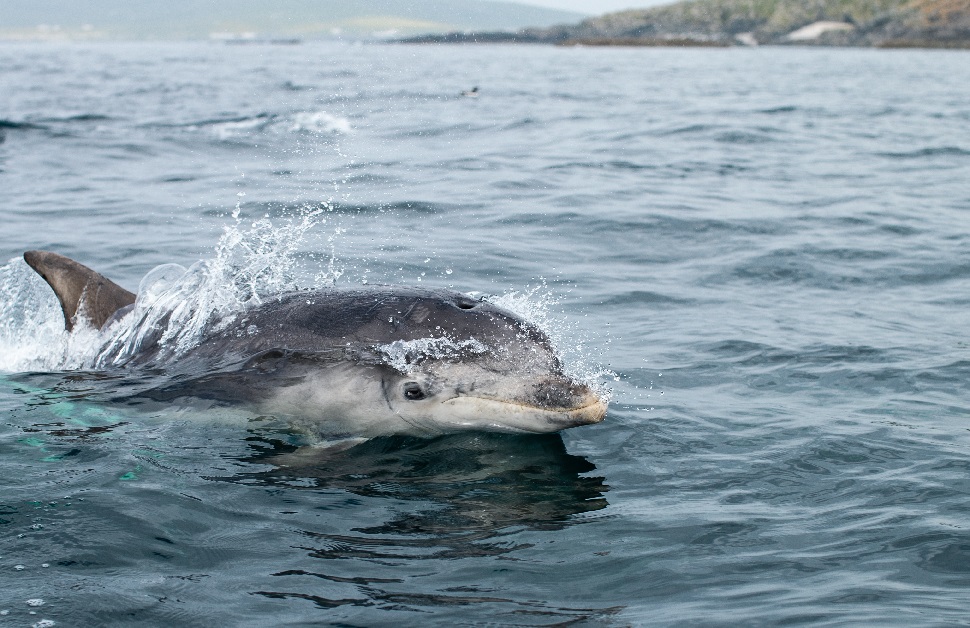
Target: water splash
[[176, 308], [536, 305], [32, 335], [404, 355], [320, 122]]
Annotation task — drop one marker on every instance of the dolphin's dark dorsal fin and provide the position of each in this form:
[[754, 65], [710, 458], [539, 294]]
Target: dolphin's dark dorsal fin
[[81, 291]]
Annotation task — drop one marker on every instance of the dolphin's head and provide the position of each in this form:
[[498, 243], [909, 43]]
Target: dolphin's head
[[441, 397], [481, 367], [435, 361]]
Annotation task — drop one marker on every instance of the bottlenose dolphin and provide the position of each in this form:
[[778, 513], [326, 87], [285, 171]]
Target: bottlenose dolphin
[[364, 361]]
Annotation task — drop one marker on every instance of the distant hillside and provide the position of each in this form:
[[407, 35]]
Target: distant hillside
[[774, 21], [198, 19], [938, 23]]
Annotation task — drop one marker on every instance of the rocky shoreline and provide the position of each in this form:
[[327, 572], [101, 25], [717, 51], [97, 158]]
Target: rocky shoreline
[[720, 23]]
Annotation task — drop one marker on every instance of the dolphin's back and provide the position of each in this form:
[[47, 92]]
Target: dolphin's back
[[327, 319]]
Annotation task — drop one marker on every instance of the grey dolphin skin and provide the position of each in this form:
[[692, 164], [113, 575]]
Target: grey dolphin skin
[[363, 362], [79, 289]]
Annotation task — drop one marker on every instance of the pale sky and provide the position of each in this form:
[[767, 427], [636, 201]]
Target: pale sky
[[595, 7]]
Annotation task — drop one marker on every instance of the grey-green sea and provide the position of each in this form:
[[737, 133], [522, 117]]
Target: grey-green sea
[[764, 255]]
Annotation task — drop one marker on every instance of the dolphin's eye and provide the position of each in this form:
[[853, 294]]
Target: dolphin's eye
[[412, 391]]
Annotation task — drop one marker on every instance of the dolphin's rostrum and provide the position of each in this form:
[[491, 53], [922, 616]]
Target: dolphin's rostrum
[[365, 361]]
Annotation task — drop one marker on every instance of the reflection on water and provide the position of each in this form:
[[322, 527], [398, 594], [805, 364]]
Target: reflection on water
[[466, 497], [380, 526], [472, 482]]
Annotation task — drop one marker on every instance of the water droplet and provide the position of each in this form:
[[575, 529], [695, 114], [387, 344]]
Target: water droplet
[[35, 602], [19, 567], [448, 271]]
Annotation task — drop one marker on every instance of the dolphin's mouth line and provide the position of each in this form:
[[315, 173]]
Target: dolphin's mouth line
[[535, 408]]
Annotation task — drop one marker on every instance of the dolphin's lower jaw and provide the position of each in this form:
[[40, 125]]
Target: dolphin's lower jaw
[[510, 416]]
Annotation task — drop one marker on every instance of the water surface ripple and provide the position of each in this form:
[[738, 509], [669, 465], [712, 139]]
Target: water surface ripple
[[769, 247]]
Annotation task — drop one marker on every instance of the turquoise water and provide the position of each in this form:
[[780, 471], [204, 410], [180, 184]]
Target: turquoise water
[[767, 247]]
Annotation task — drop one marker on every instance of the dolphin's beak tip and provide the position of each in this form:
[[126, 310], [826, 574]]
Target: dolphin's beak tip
[[592, 412]]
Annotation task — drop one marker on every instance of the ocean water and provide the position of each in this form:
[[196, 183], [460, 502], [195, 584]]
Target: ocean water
[[765, 253]]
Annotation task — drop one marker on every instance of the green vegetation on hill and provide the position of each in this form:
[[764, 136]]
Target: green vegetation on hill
[[940, 23], [716, 18], [868, 22]]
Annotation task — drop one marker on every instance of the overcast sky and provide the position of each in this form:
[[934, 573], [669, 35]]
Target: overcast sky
[[595, 7]]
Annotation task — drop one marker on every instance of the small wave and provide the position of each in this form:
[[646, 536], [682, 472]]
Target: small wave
[[686, 130], [754, 354], [461, 129], [520, 124], [285, 208], [757, 136], [81, 117], [603, 165], [230, 128], [936, 151], [792, 267], [840, 268], [320, 122], [644, 297], [20, 126], [668, 225], [782, 109], [418, 207], [290, 86]]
